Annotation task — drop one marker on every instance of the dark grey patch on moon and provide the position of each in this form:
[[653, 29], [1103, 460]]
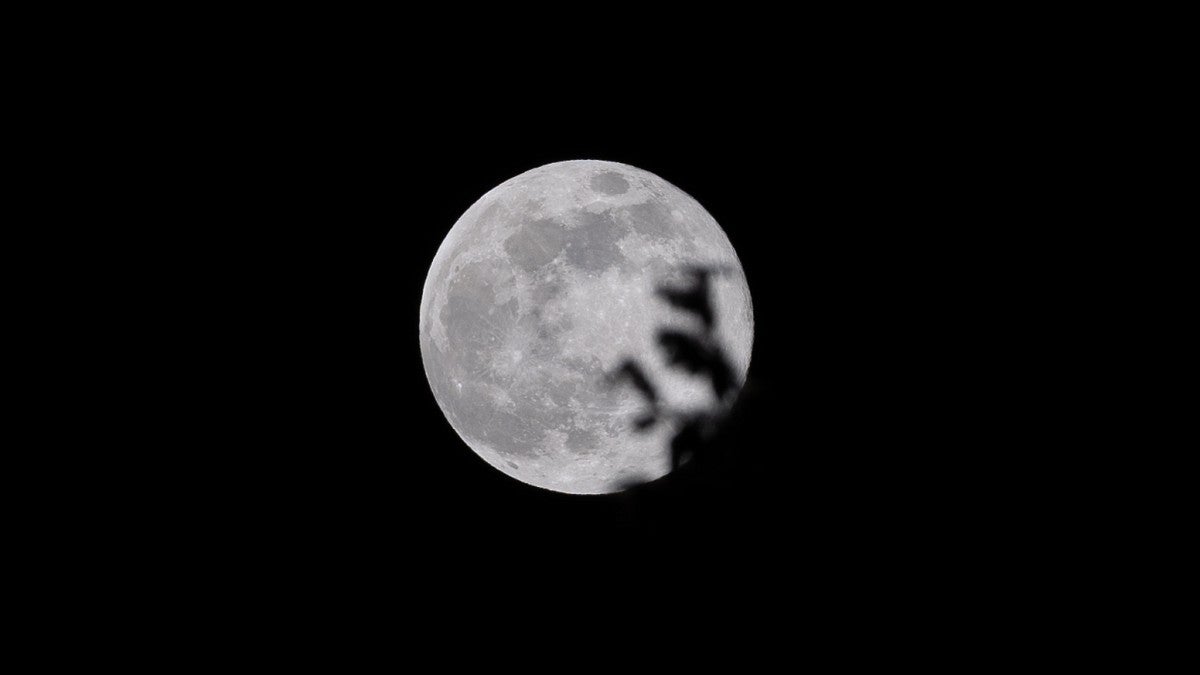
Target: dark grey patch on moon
[[653, 220], [543, 334], [535, 244], [512, 464], [508, 434], [472, 319], [582, 440], [561, 392], [610, 183], [593, 244], [545, 291], [590, 366], [489, 213]]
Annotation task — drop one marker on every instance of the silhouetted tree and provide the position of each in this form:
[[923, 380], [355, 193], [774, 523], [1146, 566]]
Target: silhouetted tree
[[631, 372], [696, 352]]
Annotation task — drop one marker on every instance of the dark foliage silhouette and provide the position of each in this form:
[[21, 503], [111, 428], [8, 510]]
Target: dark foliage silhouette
[[632, 373], [696, 352], [699, 355], [694, 297]]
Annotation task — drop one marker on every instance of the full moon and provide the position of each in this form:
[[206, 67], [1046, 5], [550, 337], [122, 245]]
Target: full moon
[[546, 284]]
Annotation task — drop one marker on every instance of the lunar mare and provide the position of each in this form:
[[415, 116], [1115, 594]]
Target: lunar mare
[[545, 284]]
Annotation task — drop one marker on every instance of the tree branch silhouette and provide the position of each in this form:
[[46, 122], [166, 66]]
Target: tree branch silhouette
[[696, 352]]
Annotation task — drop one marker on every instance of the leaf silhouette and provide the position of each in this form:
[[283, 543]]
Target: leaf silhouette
[[645, 422], [629, 371]]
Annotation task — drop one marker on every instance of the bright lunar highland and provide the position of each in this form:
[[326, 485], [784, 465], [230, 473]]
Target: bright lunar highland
[[545, 285]]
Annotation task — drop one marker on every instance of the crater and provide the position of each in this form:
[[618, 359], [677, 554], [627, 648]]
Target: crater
[[610, 183]]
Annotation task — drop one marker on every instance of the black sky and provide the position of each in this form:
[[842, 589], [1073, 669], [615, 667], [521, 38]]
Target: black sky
[[860, 224]]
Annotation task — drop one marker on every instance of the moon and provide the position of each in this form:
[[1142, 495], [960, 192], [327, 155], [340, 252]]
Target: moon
[[547, 283]]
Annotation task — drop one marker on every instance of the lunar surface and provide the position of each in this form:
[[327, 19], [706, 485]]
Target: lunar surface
[[546, 284]]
